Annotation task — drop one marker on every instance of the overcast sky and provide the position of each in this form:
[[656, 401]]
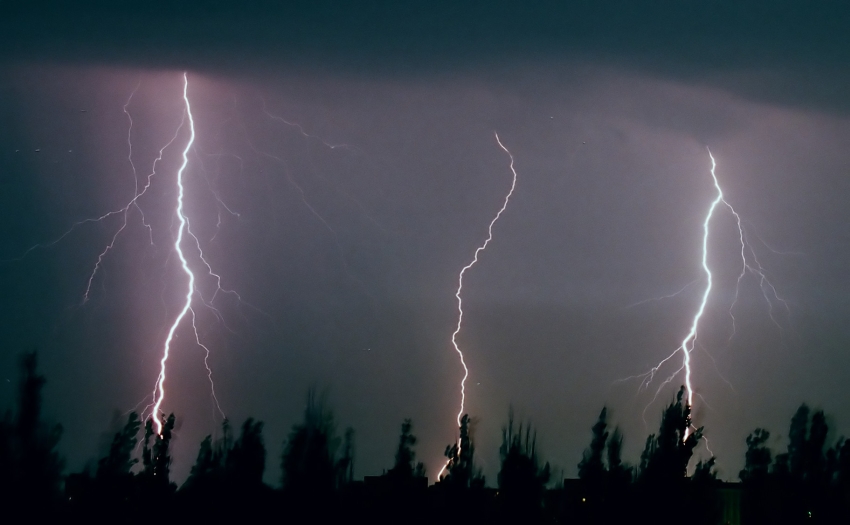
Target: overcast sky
[[345, 169]]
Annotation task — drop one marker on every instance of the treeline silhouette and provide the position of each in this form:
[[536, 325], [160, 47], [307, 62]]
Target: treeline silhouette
[[809, 483]]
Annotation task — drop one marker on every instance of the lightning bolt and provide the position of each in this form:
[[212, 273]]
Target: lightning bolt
[[303, 194], [670, 296], [460, 288], [692, 333], [749, 265], [305, 134], [141, 187], [134, 203], [184, 228], [124, 211]]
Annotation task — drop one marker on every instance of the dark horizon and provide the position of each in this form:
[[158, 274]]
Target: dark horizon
[[808, 483]]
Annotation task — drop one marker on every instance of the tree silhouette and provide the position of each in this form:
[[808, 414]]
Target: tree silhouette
[[604, 490], [227, 477], [667, 454], [460, 470], [119, 461], [619, 473], [246, 462], [806, 481], [30, 466], [591, 468], [662, 484], [806, 484], [345, 464], [309, 464], [814, 460], [797, 441], [522, 480], [208, 473], [755, 478], [702, 498], [757, 459], [156, 459], [842, 474], [114, 483], [406, 467]]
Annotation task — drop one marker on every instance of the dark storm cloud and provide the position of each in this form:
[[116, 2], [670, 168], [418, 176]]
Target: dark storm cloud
[[798, 48]]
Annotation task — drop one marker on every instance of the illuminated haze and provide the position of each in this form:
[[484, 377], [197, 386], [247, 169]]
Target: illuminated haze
[[347, 257]]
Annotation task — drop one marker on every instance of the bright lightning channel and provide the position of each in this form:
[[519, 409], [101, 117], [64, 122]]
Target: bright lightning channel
[[692, 334], [754, 268], [159, 389], [460, 289], [141, 187]]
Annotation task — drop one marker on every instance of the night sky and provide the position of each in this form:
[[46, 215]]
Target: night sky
[[343, 222]]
